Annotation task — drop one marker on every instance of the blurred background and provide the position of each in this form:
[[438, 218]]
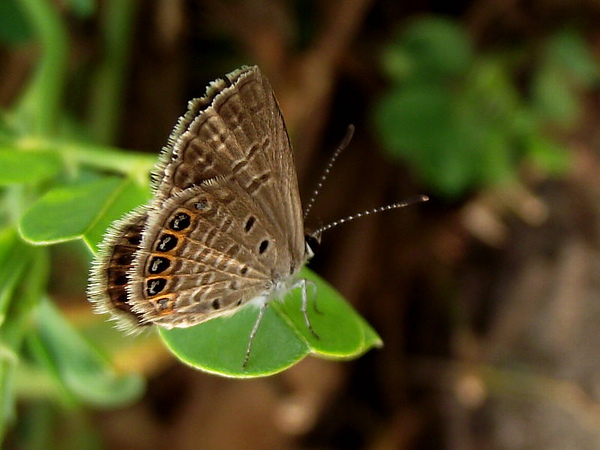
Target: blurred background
[[487, 298]]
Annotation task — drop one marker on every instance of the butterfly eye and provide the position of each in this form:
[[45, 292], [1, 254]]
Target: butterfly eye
[[312, 244]]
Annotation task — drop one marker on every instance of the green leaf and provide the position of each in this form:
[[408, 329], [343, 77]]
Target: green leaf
[[26, 167], [554, 98], [433, 47], [40, 105], [23, 276], [420, 123], [489, 90], [21, 295], [569, 50], [81, 211], [83, 8], [409, 119], [548, 155], [77, 366], [15, 258], [8, 362], [496, 163], [219, 345], [14, 27]]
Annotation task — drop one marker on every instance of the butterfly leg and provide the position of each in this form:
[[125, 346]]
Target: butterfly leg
[[314, 296], [303, 284], [261, 313]]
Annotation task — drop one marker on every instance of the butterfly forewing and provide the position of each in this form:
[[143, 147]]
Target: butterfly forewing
[[289, 217], [165, 180]]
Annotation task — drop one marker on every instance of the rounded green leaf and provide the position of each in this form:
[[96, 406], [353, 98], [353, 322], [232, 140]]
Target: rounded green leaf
[[82, 210], [219, 345]]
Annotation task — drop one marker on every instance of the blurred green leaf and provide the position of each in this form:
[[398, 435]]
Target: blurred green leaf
[[77, 365], [568, 50], [39, 107], [463, 122], [80, 211], [420, 123], [14, 28], [219, 345], [496, 159], [21, 292], [15, 257], [409, 119], [83, 8], [548, 155], [8, 362], [553, 100], [106, 97], [29, 265], [433, 48], [568, 65], [26, 167], [489, 92]]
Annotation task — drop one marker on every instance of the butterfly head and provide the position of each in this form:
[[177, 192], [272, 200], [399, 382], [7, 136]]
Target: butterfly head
[[312, 241]]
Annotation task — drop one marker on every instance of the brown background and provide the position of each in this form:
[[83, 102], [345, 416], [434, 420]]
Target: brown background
[[488, 305]]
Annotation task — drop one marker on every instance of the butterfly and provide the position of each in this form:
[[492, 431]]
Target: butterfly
[[224, 228]]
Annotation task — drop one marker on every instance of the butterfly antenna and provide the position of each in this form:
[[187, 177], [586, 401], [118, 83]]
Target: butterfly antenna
[[410, 201], [334, 157]]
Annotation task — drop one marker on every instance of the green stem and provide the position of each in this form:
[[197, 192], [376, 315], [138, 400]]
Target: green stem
[[136, 165], [107, 94], [18, 324], [42, 102]]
